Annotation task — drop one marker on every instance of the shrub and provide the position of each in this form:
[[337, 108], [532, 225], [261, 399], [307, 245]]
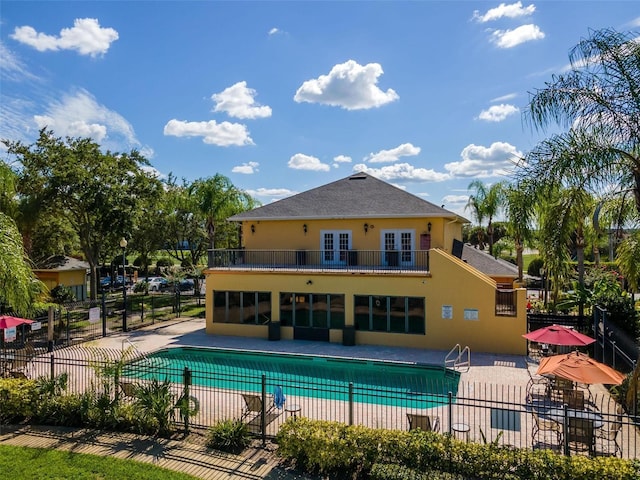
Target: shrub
[[534, 267], [231, 436], [342, 451], [61, 294], [155, 403], [17, 398]]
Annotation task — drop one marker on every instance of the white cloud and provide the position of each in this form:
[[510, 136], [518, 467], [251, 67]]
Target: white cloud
[[513, 10], [300, 161], [246, 168], [238, 101], [481, 162], [274, 31], [348, 85], [11, 67], [504, 98], [456, 199], [271, 192], [456, 204], [80, 115], [497, 113], [152, 171], [342, 159], [393, 155], [86, 36], [513, 38], [147, 152], [212, 133], [403, 171]]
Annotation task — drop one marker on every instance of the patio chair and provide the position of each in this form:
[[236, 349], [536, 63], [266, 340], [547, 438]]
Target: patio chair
[[426, 423], [253, 405], [558, 387], [580, 435], [537, 385], [606, 440], [20, 365], [542, 425], [574, 399]]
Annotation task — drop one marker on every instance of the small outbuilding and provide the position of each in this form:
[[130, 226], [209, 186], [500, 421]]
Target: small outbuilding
[[62, 270]]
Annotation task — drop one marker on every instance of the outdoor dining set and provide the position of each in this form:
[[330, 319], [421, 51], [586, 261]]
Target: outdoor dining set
[[564, 414]]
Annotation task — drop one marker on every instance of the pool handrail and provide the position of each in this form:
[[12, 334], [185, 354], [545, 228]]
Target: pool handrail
[[457, 362]]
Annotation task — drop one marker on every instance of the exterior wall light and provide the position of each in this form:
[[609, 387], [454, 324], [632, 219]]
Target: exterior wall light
[[253, 229], [304, 227], [366, 228], [429, 227]]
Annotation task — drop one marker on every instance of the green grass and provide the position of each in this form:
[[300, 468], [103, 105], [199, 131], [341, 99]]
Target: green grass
[[18, 463]]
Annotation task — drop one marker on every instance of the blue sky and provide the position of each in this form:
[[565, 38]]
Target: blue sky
[[282, 97]]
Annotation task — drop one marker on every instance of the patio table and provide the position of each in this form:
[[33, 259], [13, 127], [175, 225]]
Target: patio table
[[557, 415]]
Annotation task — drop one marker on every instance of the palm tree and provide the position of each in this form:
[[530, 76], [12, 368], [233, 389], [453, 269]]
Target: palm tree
[[519, 218], [217, 199], [486, 202], [627, 259], [475, 205], [599, 100]]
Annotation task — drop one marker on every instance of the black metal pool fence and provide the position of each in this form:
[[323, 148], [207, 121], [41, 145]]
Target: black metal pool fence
[[476, 412]]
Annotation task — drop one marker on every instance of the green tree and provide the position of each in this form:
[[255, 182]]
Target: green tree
[[217, 199], [486, 202], [627, 259], [99, 193], [598, 99], [16, 276], [520, 214], [184, 231]]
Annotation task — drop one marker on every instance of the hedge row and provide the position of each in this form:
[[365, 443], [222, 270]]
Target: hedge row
[[343, 451]]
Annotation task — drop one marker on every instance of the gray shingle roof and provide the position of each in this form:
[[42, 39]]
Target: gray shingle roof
[[487, 264], [62, 263], [357, 196]]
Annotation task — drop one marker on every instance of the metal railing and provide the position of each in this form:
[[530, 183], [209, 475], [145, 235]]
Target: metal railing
[[476, 412], [322, 260], [458, 357]]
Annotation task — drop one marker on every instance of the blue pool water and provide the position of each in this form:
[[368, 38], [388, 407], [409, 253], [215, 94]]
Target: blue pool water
[[373, 381]]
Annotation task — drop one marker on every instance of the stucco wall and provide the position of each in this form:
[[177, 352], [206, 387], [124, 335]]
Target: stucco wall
[[451, 284], [290, 235]]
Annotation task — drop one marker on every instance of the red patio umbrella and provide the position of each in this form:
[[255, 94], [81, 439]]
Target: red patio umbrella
[[559, 335], [580, 368], [7, 321]]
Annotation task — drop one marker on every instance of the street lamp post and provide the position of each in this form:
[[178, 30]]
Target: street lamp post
[[123, 245]]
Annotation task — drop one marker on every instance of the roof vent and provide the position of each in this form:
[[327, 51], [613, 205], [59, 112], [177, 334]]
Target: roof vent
[[358, 177]]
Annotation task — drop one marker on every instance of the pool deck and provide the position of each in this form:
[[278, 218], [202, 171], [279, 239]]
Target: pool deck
[[500, 370]]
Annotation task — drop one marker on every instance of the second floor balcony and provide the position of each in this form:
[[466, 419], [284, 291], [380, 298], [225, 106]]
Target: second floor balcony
[[321, 260]]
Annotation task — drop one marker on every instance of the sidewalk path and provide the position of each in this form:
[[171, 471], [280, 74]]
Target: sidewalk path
[[191, 458]]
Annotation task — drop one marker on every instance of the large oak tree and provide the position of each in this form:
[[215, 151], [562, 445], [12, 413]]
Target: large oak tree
[[99, 193]]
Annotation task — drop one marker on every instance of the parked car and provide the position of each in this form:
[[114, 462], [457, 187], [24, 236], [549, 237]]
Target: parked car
[[186, 284], [157, 284]]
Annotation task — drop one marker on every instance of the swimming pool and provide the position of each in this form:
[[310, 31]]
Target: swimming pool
[[373, 381]]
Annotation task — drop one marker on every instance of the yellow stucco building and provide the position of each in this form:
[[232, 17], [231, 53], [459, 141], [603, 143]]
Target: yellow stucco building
[[67, 271], [359, 261]]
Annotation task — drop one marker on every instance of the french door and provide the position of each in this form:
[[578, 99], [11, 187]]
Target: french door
[[398, 246], [335, 246]]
